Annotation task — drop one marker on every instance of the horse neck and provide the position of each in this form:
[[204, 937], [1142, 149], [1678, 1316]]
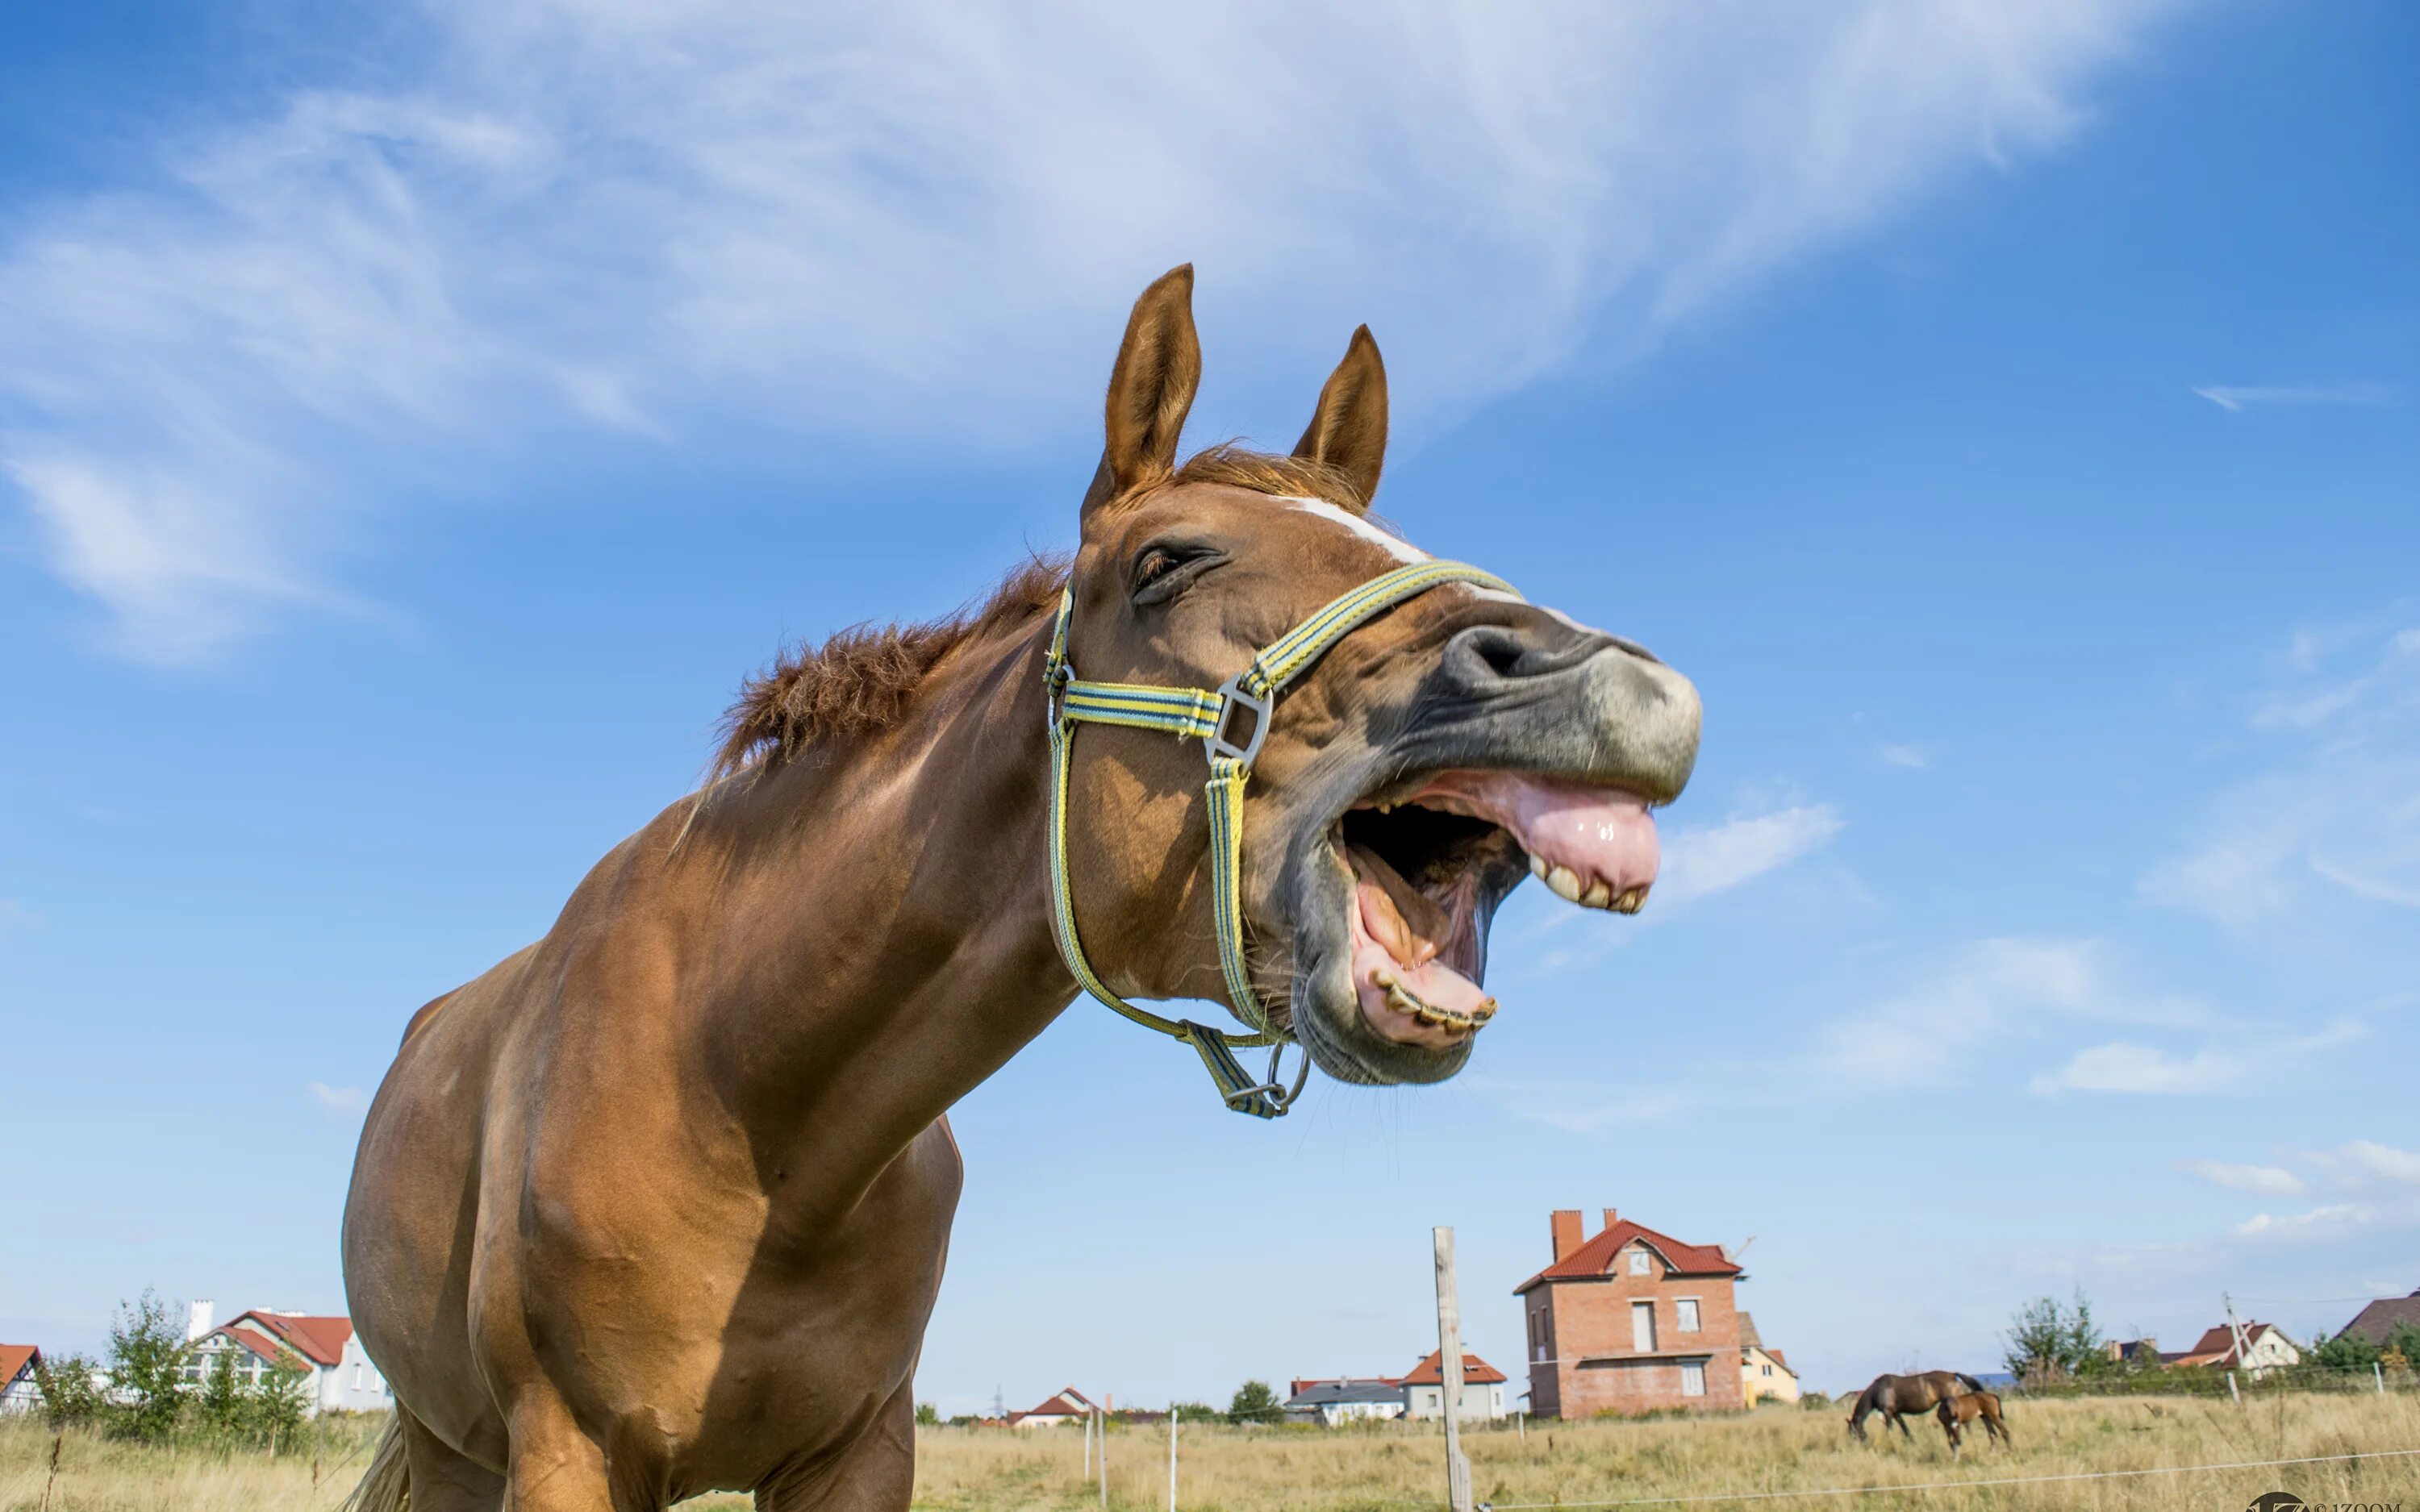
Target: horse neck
[[884, 936]]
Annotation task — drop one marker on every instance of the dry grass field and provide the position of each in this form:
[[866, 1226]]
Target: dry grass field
[[1263, 1471]]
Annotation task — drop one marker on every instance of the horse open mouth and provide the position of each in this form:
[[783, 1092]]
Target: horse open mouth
[[1428, 871]]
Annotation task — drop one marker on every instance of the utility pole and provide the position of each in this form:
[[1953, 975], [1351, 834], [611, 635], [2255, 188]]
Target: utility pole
[[2234, 1326], [1457, 1469]]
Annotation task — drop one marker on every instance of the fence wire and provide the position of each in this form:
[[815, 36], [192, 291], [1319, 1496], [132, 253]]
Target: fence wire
[[1953, 1485]]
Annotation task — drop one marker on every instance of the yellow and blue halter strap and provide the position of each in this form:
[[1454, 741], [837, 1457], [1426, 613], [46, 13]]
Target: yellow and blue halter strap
[[1189, 713]]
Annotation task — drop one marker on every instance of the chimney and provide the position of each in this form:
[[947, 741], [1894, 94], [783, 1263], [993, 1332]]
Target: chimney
[[1610, 1217], [200, 1320], [1566, 1224]]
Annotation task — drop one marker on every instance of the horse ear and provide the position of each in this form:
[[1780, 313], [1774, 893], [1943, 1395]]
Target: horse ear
[[1151, 389], [1348, 430]]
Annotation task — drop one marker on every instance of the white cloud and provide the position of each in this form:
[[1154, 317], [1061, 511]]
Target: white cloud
[[1983, 994], [2262, 1181], [338, 1102], [1910, 756], [2336, 817], [856, 222], [2121, 1067], [2237, 397], [2335, 1221], [2126, 1067], [2366, 1163], [1698, 863]]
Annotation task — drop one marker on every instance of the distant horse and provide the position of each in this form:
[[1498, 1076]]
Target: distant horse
[[1894, 1396], [1966, 1407]]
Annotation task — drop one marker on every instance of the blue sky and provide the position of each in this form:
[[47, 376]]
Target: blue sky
[[413, 423]]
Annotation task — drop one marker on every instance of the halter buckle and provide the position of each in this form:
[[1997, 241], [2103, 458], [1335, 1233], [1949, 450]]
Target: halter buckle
[[1215, 744]]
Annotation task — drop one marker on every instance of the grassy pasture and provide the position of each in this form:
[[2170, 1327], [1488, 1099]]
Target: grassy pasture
[[961, 1469]]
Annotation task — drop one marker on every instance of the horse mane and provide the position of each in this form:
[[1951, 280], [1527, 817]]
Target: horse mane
[[864, 679]]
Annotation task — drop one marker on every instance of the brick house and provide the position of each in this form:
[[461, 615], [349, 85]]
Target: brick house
[[1629, 1321]]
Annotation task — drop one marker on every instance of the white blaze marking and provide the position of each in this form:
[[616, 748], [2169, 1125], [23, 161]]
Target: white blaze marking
[[1402, 550]]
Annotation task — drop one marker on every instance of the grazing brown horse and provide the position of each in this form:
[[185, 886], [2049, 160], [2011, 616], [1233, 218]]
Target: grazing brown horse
[[1965, 1408], [658, 1205], [1895, 1396]]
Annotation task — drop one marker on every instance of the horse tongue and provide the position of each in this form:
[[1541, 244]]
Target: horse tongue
[[1397, 937]]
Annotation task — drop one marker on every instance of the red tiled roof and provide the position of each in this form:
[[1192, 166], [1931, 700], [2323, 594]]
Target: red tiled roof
[[14, 1359], [258, 1343], [2216, 1346], [1431, 1371], [1068, 1403], [319, 1340], [1595, 1257]]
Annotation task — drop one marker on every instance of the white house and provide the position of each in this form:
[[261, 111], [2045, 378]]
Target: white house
[[2266, 1348], [1068, 1406], [1344, 1399], [1483, 1389], [342, 1377], [19, 1391]]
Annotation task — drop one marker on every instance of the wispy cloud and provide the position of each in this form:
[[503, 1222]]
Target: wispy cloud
[[2336, 817], [338, 1102], [2127, 1067], [2262, 1181], [2367, 1162], [2238, 397], [1981, 995], [1910, 756], [1700, 862], [652, 223]]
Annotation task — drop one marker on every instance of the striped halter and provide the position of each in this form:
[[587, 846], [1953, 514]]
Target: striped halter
[[1189, 713]]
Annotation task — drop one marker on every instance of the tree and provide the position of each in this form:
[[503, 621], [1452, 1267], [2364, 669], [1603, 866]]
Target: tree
[[2048, 1340], [1253, 1402], [276, 1405], [219, 1407], [2345, 1352], [147, 1354], [927, 1415], [72, 1397], [1194, 1412]]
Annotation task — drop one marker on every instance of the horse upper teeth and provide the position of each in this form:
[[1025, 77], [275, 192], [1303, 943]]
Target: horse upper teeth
[[1632, 901], [1600, 895], [1566, 884], [1538, 869]]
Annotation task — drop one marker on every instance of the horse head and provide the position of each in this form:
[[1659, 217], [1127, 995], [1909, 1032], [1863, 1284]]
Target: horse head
[[1410, 778]]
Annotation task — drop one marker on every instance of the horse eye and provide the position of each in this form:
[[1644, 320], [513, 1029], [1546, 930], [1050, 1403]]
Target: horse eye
[[1156, 565]]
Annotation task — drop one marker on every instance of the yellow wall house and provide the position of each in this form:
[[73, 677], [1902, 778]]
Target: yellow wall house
[[1763, 1373]]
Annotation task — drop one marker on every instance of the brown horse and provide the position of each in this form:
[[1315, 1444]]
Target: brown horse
[[1965, 1408], [1895, 1396], [658, 1205]]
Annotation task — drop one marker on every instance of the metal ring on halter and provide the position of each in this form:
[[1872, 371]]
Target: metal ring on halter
[[1280, 1095]]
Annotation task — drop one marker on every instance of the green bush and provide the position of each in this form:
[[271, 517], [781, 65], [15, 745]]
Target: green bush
[[147, 1354], [72, 1395]]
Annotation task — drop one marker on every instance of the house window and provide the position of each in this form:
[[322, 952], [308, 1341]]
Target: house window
[[1639, 1262], [1693, 1377], [357, 1375], [1767, 1370], [1642, 1326], [1689, 1309]]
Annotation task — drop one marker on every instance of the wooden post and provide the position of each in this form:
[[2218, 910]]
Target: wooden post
[[2231, 1391], [1457, 1469], [1087, 1446], [1172, 1458], [2379, 1371], [1102, 1416]]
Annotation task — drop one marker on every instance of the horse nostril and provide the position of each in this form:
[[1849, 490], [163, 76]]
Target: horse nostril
[[1499, 652], [1507, 653]]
